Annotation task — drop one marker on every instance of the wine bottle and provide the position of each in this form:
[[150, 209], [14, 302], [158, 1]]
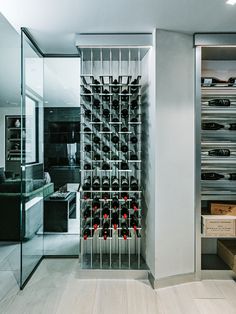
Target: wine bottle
[[133, 139], [124, 211], [124, 95], [87, 184], [105, 183], [232, 177], [86, 196], [124, 183], [124, 148], [134, 104], [134, 204], [87, 113], [115, 183], [96, 183], [96, 139], [106, 112], [232, 81], [96, 103], [211, 176], [115, 120], [87, 166], [115, 220], [95, 203], [105, 96], [124, 165], [133, 156], [125, 196], [96, 221], [124, 230], [115, 139], [232, 126], [219, 102], [219, 152], [87, 233], [133, 183], [96, 89], [105, 166], [125, 110], [96, 156], [105, 149], [115, 104], [115, 87], [87, 95], [212, 126], [87, 212], [87, 129], [134, 222], [96, 120], [124, 129], [114, 157], [105, 211], [134, 119], [211, 81], [105, 195], [88, 148], [115, 202], [105, 129], [134, 89], [105, 230]]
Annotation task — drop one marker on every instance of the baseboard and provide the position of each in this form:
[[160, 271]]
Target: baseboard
[[171, 281], [112, 274]]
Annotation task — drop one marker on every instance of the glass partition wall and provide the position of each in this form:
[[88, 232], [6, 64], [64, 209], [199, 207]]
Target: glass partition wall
[[33, 187]]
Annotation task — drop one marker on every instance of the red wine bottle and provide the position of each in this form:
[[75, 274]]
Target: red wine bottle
[[95, 203], [96, 221], [105, 195], [87, 233], [211, 176], [115, 202], [105, 211], [105, 230], [124, 230], [134, 204], [219, 152], [212, 126], [87, 212], [124, 211], [134, 222], [125, 195], [115, 220]]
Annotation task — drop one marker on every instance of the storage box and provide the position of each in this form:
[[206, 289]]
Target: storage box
[[218, 226], [223, 209], [226, 249]]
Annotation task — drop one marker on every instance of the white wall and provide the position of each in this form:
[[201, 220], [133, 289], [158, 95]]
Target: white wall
[[174, 220], [5, 111]]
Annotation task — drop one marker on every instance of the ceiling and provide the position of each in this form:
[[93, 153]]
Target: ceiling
[[54, 23]]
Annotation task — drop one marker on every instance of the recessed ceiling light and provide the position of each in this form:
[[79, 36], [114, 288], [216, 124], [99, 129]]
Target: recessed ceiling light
[[232, 2]]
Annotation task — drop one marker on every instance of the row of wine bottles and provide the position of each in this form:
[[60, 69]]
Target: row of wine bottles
[[219, 102], [106, 212], [111, 118], [121, 166], [112, 128], [218, 126], [107, 229], [115, 105], [104, 183], [218, 176], [128, 155], [88, 196], [115, 139], [218, 152], [211, 81]]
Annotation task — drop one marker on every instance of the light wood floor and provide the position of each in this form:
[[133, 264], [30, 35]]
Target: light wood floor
[[56, 288]]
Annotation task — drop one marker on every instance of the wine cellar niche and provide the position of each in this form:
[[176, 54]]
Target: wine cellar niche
[[111, 153]]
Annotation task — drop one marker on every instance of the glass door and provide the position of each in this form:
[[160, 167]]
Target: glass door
[[33, 187]]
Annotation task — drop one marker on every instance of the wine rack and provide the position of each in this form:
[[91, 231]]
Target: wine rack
[[111, 196]]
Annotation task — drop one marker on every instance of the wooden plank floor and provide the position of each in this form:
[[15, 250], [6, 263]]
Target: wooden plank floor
[[55, 288]]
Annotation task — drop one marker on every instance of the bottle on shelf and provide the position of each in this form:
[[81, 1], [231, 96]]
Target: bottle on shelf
[[125, 196], [95, 203], [115, 220], [87, 113], [133, 139], [96, 139], [87, 184], [105, 166], [124, 230], [133, 183], [87, 233], [96, 183], [124, 183], [105, 195], [88, 148], [211, 176], [218, 102], [115, 202], [105, 149], [87, 129], [124, 165], [133, 88], [106, 112], [87, 93], [115, 87], [105, 230], [87, 212], [115, 139], [105, 211], [134, 104], [96, 221], [211, 81], [96, 156], [114, 183], [105, 129], [134, 204], [219, 152], [105, 183], [134, 119], [115, 104], [125, 110], [133, 156], [124, 129], [124, 95], [96, 120], [134, 222], [86, 195], [212, 126], [115, 120], [96, 103], [87, 166], [114, 157], [124, 148], [105, 96], [96, 88], [124, 211]]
